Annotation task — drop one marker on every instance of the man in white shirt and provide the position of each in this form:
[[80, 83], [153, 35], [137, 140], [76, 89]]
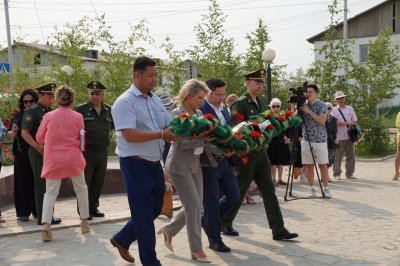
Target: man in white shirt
[[346, 117]]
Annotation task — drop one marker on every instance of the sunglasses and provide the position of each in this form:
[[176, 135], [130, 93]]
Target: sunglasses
[[28, 101], [95, 93], [275, 106], [329, 108]]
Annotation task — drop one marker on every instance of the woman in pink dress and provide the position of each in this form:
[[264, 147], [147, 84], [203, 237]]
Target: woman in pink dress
[[59, 132]]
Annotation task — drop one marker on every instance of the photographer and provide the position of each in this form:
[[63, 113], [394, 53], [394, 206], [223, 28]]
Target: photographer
[[315, 135]]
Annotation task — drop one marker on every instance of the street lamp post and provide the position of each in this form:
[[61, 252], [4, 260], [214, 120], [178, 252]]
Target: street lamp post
[[268, 56]]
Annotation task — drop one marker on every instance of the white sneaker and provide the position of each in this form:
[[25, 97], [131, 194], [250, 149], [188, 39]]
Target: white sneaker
[[313, 192], [327, 193], [337, 177], [303, 179]]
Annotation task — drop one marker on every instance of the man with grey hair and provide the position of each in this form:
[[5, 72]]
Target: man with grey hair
[[346, 117]]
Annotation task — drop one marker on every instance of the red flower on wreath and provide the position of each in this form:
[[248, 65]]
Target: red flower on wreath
[[270, 127], [255, 135], [6, 123], [209, 116], [238, 135], [184, 115], [289, 113], [254, 123], [245, 159], [239, 117], [282, 118]]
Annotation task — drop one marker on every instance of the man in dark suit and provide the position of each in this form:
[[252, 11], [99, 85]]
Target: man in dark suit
[[218, 174]]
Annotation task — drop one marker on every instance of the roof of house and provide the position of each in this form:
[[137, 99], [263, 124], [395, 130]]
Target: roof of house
[[317, 36], [46, 48]]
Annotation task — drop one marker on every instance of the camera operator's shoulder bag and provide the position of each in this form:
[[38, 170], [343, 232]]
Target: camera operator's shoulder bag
[[353, 130]]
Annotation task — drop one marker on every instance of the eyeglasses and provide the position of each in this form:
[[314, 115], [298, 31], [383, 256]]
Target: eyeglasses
[[28, 101], [339, 98], [275, 106], [97, 93]]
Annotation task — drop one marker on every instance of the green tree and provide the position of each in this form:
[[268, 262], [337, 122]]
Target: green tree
[[173, 67], [214, 53], [116, 64], [377, 78], [258, 41], [72, 41], [331, 72]]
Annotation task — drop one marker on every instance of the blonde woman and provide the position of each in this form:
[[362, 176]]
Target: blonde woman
[[59, 132], [183, 165]]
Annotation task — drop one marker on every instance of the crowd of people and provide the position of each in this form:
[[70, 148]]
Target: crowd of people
[[212, 184]]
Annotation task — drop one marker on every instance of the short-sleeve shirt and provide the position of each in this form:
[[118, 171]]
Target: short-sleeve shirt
[[134, 111], [19, 144], [32, 119], [316, 131], [350, 116], [398, 120]]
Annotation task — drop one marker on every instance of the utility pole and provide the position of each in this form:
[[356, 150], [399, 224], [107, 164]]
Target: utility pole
[[345, 21], [10, 54]]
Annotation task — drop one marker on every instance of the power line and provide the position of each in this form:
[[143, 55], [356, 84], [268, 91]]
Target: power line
[[40, 24], [189, 10], [91, 1]]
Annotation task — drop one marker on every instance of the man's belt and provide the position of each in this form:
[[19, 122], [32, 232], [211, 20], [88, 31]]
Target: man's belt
[[144, 160]]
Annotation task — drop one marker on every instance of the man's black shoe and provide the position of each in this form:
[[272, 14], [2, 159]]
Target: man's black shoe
[[229, 231], [96, 213], [53, 221], [285, 235], [90, 218], [220, 247]]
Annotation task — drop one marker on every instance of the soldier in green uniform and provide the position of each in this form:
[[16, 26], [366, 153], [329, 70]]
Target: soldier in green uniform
[[248, 107], [30, 124], [98, 123]]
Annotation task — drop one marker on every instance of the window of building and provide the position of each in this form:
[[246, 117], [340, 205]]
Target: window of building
[[364, 52], [36, 59]]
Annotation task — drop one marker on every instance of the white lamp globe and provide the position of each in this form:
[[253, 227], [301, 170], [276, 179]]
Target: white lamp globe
[[67, 70], [268, 55]]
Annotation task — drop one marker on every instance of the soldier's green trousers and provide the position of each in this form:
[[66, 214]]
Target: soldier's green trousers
[[39, 183], [95, 173], [259, 169]]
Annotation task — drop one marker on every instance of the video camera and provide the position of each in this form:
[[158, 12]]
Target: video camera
[[298, 96]]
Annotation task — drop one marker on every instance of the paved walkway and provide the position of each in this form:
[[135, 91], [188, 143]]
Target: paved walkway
[[360, 225]]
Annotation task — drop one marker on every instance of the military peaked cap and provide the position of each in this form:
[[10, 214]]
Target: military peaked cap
[[47, 88], [95, 85], [256, 75]]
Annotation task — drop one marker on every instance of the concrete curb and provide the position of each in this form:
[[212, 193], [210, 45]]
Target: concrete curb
[[116, 220], [360, 159]]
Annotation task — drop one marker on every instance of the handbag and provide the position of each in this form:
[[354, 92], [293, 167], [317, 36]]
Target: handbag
[[167, 208], [353, 131]]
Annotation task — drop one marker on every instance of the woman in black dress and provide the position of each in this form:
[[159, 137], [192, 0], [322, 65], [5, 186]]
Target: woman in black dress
[[278, 149], [23, 176], [331, 129]]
